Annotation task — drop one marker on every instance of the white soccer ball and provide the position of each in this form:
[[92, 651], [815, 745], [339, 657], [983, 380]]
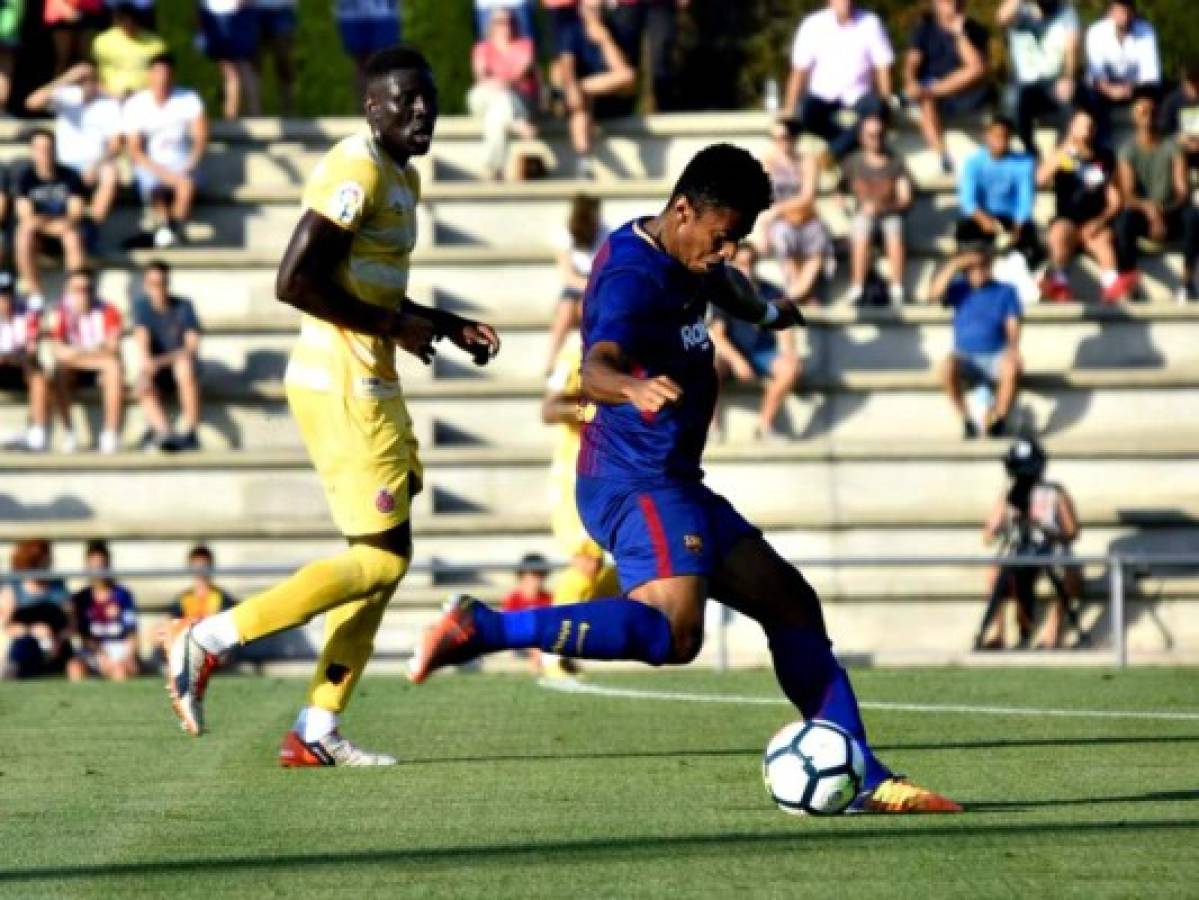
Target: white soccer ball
[[813, 768]]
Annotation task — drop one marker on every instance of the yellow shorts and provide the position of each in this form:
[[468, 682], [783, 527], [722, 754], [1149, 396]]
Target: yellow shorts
[[569, 534], [365, 453]]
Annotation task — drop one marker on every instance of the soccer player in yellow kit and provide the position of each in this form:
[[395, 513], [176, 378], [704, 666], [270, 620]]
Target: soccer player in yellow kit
[[346, 268]]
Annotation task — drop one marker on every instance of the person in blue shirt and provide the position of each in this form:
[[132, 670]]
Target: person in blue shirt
[[996, 193], [986, 336], [105, 617], [649, 388]]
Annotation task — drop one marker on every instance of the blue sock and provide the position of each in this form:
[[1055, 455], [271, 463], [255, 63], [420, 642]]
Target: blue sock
[[612, 628], [814, 681]]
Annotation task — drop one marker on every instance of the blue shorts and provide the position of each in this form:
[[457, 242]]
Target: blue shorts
[[362, 37], [677, 528], [762, 359], [231, 36]]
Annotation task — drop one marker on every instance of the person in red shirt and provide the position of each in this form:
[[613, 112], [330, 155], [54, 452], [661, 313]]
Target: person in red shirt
[[86, 332], [505, 93], [529, 593], [20, 329]]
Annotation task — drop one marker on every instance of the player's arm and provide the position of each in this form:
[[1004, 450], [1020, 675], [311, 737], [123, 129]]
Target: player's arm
[[560, 407], [306, 281], [606, 379], [737, 296], [477, 339]]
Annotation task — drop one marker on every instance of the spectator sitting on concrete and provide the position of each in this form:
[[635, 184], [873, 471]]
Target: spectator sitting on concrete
[[105, 616], [33, 614], [986, 337], [167, 132], [11, 19], [167, 335], [86, 335], [1153, 183], [277, 23], [945, 71], [505, 93], [879, 182], [1083, 179], [840, 64], [1034, 517], [123, 52], [591, 66], [1179, 114], [1122, 56], [576, 246], [229, 34], [366, 27], [996, 192], [793, 230], [72, 25], [19, 366], [747, 352], [49, 202], [204, 598], [87, 133], [522, 14], [1045, 53], [529, 593]]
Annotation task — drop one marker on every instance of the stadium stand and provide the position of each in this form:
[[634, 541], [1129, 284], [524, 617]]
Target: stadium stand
[[878, 467]]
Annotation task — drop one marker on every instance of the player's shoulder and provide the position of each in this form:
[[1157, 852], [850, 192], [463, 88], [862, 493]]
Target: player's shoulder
[[630, 255]]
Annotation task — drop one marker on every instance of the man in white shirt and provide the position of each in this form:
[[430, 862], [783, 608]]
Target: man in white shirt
[[87, 131], [1122, 55], [167, 132], [840, 73], [1044, 45]]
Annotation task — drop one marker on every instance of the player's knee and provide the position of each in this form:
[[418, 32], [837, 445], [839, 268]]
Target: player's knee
[[687, 642], [380, 568]]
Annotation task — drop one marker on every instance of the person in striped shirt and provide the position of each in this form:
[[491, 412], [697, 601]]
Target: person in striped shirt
[[20, 330]]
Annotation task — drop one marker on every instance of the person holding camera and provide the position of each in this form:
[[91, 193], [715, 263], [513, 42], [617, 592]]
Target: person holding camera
[[1034, 517]]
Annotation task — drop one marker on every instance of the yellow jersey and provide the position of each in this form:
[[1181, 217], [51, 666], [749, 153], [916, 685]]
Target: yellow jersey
[[358, 187], [566, 378], [123, 62]]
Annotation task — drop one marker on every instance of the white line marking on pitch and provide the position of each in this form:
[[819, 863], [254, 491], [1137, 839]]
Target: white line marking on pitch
[[568, 686]]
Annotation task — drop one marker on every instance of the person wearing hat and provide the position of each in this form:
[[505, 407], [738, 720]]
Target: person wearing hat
[[529, 593], [986, 335], [1121, 56], [20, 331], [1035, 517]]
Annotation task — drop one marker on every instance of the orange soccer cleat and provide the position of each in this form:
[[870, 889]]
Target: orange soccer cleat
[[898, 795], [449, 641]]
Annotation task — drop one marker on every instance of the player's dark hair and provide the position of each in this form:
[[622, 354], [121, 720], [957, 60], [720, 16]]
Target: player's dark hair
[[159, 265], [584, 220], [723, 176], [200, 551], [1000, 121], [400, 58], [98, 547], [165, 58], [1145, 92]]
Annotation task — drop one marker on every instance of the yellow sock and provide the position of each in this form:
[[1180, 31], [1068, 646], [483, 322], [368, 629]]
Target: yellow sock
[[316, 588], [576, 586]]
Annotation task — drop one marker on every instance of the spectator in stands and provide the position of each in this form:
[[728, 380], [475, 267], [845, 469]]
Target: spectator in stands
[[123, 52], [105, 615], [87, 133], [996, 192], [1122, 55], [529, 593], [33, 614], [49, 203], [229, 33], [277, 23], [522, 14], [86, 336], [1153, 183], [505, 93], [204, 598], [793, 230], [1179, 114], [656, 24], [19, 364], [166, 333], [366, 26], [576, 245], [167, 134], [945, 71], [986, 336], [1044, 50], [1082, 177], [11, 16], [747, 352], [880, 185], [840, 63], [72, 25]]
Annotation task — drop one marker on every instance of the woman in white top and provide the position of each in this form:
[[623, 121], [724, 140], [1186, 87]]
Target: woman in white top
[[791, 227], [576, 245]]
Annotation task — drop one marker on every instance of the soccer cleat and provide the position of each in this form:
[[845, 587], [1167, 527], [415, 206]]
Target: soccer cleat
[[189, 666], [448, 642], [331, 750], [898, 795]]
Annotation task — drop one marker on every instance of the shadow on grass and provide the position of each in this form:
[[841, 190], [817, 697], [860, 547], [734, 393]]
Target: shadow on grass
[[608, 849], [1016, 805]]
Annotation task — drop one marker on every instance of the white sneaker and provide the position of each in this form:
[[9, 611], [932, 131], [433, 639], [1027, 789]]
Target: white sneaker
[[109, 442], [69, 443], [1182, 296], [35, 439], [165, 237]]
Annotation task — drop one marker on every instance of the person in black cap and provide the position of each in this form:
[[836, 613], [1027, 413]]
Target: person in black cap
[[20, 330]]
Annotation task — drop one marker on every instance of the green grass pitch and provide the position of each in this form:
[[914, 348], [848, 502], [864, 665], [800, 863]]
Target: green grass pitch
[[509, 790]]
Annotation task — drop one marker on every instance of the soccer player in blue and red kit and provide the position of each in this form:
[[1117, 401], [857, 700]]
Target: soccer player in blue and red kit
[[650, 386]]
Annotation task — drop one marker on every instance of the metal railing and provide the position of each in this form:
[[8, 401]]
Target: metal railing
[[1116, 565]]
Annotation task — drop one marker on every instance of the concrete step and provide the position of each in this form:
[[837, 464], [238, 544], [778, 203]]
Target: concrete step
[[281, 486]]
